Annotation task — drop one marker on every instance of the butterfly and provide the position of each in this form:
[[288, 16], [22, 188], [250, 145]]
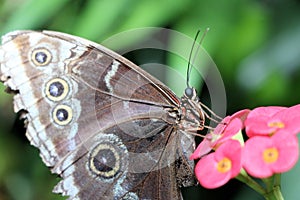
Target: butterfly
[[107, 127]]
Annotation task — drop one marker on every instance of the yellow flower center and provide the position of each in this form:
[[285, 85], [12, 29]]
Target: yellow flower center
[[224, 165], [270, 155], [276, 124]]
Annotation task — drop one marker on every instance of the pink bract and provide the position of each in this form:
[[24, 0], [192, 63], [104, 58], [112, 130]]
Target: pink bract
[[285, 146], [270, 120], [224, 131], [207, 171]]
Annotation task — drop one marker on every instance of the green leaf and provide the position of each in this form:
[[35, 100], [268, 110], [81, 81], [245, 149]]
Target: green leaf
[[32, 14]]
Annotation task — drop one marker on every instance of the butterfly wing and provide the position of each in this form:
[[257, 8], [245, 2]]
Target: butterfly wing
[[103, 124]]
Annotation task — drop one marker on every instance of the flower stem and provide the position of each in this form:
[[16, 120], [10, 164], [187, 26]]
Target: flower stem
[[273, 187], [274, 194], [272, 190], [277, 180], [243, 177], [269, 182]]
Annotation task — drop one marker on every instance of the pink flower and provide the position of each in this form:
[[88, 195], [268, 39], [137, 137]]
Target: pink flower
[[225, 130], [242, 115], [272, 119], [217, 168], [203, 148], [272, 146], [263, 156]]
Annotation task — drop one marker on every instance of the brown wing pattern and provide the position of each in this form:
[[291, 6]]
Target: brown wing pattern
[[100, 122]]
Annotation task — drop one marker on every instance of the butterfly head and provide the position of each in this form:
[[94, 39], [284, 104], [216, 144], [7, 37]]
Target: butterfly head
[[192, 115], [191, 93]]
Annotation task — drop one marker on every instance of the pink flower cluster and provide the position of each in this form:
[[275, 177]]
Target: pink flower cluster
[[271, 147]]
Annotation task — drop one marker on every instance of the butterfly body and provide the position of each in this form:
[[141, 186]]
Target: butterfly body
[[108, 128]]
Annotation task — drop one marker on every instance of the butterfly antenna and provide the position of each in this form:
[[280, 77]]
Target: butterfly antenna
[[189, 63], [189, 68]]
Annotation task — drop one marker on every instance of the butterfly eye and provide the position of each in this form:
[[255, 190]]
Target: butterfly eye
[[62, 115], [189, 92], [105, 161], [41, 57], [57, 89]]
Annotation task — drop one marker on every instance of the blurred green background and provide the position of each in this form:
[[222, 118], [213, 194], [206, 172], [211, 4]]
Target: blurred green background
[[255, 44]]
